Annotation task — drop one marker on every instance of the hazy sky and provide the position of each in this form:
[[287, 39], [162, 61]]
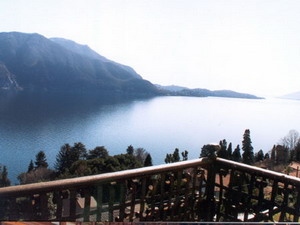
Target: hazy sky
[[245, 45]]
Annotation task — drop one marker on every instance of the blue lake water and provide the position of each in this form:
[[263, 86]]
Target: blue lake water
[[32, 123]]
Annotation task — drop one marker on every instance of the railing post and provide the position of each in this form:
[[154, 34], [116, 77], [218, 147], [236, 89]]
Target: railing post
[[210, 192]]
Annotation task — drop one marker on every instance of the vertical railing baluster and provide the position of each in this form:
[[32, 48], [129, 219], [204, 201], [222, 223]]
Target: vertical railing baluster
[[250, 196], [187, 208], [143, 195], [171, 196], [284, 203], [297, 206], [199, 203], [111, 202], [59, 205], [44, 206], [162, 196], [13, 210], [122, 201], [210, 192], [73, 201], [193, 194], [273, 198], [133, 197], [99, 193], [220, 196], [87, 205]]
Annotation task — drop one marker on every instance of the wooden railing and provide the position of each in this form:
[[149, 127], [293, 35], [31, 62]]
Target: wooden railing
[[196, 190]]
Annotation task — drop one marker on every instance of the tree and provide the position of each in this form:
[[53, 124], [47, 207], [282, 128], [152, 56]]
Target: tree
[[248, 155], [40, 174], [209, 150], [229, 151], [259, 156], [64, 159], [130, 150], [185, 155], [176, 156], [148, 161], [273, 154], [236, 155], [222, 153], [40, 160], [290, 140], [267, 156], [140, 154], [78, 151], [30, 166], [98, 152], [4, 181]]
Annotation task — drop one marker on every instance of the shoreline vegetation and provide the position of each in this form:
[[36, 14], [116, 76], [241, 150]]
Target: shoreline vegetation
[[76, 161]]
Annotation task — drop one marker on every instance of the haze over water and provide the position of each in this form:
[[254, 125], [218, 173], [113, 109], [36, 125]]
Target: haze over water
[[32, 123]]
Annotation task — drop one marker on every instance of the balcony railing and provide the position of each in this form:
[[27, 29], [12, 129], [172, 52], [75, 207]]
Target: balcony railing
[[196, 190]]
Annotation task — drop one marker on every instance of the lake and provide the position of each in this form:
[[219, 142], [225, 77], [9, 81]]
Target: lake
[[30, 123]]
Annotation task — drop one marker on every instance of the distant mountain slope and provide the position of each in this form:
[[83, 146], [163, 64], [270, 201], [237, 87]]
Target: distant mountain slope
[[295, 96], [33, 62], [198, 92]]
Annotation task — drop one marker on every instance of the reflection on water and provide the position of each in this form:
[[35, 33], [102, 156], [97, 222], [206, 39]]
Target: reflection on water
[[30, 123]]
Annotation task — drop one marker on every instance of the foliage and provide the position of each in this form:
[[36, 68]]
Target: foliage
[[37, 175], [98, 152], [290, 140], [185, 155], [4, 181], [229, 151], [140, 154], [259, 156], [222, 152], [209, 150], [248, 155], [148, 161], [41, 160], [175, 157], [236, 155], [130, 150], [30, 166], [68, 155]]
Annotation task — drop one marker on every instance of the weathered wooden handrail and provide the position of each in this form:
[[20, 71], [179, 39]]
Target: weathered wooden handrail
[[101, 178], [258, 171], [196, 190]]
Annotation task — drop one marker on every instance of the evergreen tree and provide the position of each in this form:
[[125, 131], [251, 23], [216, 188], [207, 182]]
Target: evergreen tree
[[236, 155], [130, 150], [184, 155], [259, 156], [229, 151], [248, 155], [30, 166], [148, 161], [98, 152], [4, 181], [267, 156], [273, 154], [78, 151], [64, 159], [40, 160], [169, 158], [222, 153], [176, 156]]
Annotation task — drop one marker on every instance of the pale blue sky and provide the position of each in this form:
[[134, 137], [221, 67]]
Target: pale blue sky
[[245, 45]]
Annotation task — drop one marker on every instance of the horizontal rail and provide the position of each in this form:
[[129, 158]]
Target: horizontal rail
[[101, 178], [258, 171]]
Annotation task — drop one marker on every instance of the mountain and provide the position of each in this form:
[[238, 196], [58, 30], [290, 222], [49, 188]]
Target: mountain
[[198, 92], [34, 62], [294, 95]]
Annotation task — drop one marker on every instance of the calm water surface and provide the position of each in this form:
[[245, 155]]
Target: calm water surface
[[32, 123]]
